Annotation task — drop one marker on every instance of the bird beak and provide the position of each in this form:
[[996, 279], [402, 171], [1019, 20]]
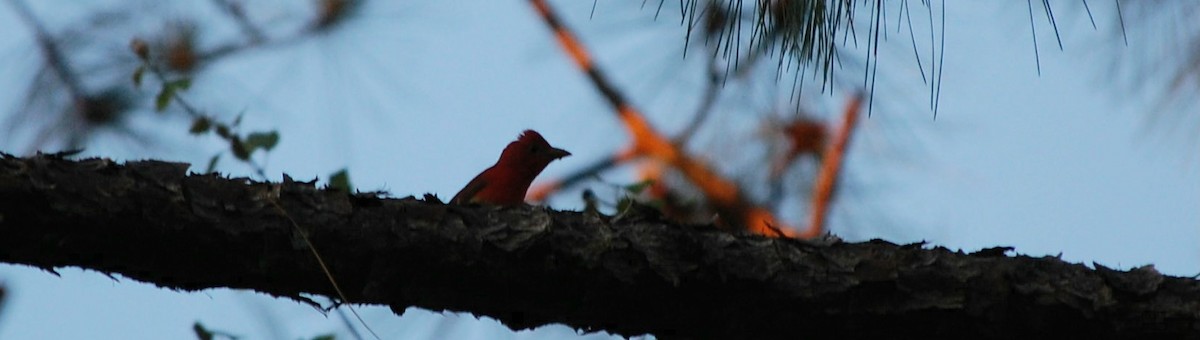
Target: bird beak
[[558, 153]]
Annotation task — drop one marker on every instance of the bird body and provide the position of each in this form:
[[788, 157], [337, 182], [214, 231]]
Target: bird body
[[506, 182]]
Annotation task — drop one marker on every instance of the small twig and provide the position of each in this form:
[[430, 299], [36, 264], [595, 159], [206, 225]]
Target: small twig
[[712, 90], [831, 168], [183, 103], [723, 194], [321, 262], [54, 57], [196, 114], [255, 36], [238, 14], [543, 190], [350, 325]]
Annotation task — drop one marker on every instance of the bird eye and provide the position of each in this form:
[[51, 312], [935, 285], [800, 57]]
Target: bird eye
[[534, 148]]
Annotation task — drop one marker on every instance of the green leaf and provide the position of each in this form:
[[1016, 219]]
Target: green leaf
[[223, 130], [168, 92], [200, 125], [239, 149], [325, 337], [624, 204], [212, 163], [263, 140], [181, 84], [164, 98], [340, 180], [137, 76], [637, 188]]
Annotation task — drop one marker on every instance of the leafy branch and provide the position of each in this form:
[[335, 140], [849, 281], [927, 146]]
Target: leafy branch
[[242, 146]]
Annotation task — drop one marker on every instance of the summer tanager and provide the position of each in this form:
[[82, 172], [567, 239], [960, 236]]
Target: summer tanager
[[506, 182]]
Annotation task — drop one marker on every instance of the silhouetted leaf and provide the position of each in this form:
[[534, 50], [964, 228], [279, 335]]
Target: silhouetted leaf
[[137, 76], [168, 91], [163, 99], [340, 180], [212, 163], [181, 84], [223, 131], [200, 125], [637, 188], [201, 332], [239, 149], [204, 333], [262, 140]]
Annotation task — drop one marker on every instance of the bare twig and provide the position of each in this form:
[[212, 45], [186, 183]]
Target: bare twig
[[54, 56], [195, 113], [722, 193], [238, 14], [831, 169], [543, 190]]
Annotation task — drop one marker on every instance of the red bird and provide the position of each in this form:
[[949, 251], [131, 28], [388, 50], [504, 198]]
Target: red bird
[[506, 182]]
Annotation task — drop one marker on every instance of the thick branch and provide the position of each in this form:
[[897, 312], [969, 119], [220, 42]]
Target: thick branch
[[531, 266]]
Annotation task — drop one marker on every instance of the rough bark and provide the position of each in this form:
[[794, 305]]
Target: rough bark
[[531, 266]]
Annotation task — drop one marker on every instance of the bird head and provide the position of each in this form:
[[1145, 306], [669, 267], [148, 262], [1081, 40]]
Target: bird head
[[531, 152]]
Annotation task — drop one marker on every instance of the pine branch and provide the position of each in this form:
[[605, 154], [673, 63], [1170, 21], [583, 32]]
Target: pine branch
[[531, 266]]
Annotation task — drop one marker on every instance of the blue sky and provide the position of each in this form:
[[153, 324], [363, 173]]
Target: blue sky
[[419, 98]]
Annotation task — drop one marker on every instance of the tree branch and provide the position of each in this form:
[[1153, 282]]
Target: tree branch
[[531, 266]]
